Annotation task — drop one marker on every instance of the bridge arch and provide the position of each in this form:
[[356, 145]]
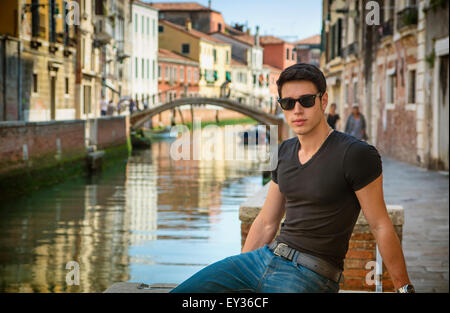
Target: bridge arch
[[138, 119]]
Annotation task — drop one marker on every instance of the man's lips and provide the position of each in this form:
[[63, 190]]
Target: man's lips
[[298, 121]]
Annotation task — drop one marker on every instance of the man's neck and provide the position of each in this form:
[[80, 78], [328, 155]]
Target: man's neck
[[311, 142]]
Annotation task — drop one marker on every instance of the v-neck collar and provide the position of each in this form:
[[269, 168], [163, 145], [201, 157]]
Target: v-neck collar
[[297, 147]]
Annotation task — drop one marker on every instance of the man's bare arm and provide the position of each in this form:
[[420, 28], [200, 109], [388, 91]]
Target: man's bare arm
[[374, 209], [265, 225]]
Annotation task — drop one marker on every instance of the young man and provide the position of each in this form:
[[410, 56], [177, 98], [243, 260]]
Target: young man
[[322, 180]]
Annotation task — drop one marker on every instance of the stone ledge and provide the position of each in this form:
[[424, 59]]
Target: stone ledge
[[124, 287]]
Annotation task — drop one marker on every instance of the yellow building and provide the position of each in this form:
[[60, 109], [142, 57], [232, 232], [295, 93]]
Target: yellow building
[[40, 72], [212, 54]]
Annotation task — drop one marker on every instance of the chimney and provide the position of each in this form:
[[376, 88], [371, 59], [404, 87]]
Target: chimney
[[209, 4], [257, 36], [188, 24]]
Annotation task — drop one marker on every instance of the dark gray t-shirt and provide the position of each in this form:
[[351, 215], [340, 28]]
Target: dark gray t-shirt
[[321, 204]]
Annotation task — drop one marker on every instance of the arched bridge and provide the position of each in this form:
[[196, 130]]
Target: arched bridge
[[138, 119]]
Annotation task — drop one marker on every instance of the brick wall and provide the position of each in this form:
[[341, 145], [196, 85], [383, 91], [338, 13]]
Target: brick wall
[[362, 244], [112, 131], [41, 140]]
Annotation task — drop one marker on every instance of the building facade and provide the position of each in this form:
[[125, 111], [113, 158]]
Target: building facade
[[308, 50], [212, 54], [395, 70], [277, 52], [203, 19], [144, 58], [37, 61], [178, 76], [250, 82]]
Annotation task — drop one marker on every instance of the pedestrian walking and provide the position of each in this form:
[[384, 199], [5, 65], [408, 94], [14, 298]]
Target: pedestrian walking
[[103, 106], [333, 118], [111, 108], [322, 181], [356, 124]]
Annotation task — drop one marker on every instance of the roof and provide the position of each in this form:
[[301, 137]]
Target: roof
[[180, 6], [269, 40], [193, 32], [146, 4], [235, 62], [245, 39], [167, 54], [272, 68], [313, 40]]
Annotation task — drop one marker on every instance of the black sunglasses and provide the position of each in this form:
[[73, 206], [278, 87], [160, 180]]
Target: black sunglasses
[[305, 101]]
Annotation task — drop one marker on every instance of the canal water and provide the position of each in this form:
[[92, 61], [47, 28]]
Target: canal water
[[147, 219]]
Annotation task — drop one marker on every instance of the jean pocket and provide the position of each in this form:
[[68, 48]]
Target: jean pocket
[[321, 281]]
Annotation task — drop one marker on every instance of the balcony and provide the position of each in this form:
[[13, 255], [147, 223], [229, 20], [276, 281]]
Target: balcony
[[103, 30], [123, 49], [387, 28], [406, 17], [351, 49]]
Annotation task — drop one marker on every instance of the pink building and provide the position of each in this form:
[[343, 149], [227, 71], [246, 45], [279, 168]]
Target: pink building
[[277, 52]]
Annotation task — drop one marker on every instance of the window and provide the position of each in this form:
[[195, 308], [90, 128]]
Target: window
[[148, 26], [196, 78], [142, 24], [228, 57], [160, 29], [159, 72], [182, 74], [135, 23], [166, 70], [136, 67], [346, 94], [66, 85], [148, 69], [412, 87], [189, 75], [185, 48], [154, 70], [355, 92], [215, 55], [219, 27], [293, 54], [142, 68], [35, 83], [287, 54], [86, 99], [391, 89], [154, 27]]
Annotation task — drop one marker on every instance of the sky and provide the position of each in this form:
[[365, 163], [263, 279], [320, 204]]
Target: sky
[[288, 19]]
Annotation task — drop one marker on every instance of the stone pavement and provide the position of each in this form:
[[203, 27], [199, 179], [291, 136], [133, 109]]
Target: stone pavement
[[424, 196]]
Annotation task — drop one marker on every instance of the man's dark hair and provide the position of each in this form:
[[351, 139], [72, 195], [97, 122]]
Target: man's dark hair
[[303, 71]]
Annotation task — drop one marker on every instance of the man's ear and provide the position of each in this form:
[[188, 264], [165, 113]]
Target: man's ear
[[324, 101]]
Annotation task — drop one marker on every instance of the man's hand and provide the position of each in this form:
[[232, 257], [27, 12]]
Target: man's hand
[[374, 209]]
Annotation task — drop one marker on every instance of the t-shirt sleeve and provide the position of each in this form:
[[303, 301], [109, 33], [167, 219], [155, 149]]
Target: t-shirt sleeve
[[274, 173], [362, 165]]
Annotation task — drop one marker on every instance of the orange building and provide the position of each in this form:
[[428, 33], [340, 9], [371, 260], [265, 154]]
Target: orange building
[[203, 18], [178, 76], [277, 52]]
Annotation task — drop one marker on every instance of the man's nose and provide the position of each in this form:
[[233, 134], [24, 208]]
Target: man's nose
[[298, 108]]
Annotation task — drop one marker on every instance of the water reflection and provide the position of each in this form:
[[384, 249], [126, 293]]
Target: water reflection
[[149, 219]]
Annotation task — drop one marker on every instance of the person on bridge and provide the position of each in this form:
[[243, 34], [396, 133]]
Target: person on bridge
[[322, 181]]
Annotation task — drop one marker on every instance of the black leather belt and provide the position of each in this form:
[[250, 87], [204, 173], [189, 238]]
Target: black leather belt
[[312, 263]]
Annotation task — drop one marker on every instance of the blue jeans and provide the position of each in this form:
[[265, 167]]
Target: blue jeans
[[259, 271]]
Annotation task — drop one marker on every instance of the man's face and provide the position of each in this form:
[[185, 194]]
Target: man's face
[[303, 120]]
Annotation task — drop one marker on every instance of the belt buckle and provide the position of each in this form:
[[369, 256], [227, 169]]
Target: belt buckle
[[280, 248]]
